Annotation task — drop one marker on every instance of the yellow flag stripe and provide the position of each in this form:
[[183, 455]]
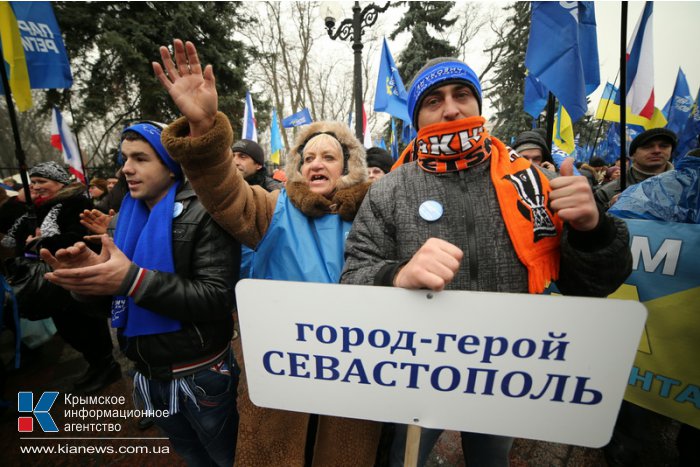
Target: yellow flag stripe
[[610, 111], [13, 54], [565, 139]]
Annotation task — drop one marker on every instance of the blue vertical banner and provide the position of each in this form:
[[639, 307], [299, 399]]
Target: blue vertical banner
[[47, 60], [680, 104], [559, 64], [390, 95], [535, 96]]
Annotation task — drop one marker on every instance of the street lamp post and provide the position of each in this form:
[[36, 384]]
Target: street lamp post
[[352, 30]]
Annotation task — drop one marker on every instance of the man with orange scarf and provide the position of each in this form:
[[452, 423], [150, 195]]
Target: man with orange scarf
[[462, 211]]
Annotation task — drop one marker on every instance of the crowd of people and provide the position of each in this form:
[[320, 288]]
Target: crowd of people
[[157, 251]]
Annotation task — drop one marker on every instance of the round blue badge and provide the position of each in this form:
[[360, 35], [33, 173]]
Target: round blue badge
[[177, 209], [430, 210]]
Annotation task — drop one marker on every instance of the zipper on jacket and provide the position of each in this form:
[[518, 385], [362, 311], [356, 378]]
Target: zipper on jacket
[[138, 351], [471, 234]]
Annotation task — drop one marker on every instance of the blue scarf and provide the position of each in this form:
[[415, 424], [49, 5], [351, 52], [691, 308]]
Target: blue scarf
[[146, 239]]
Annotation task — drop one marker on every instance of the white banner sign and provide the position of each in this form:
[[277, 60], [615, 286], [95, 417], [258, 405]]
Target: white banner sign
[[529, 366]]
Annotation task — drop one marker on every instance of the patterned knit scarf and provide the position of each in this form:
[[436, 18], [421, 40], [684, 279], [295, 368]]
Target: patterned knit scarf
[[521, 189], [452, 146]]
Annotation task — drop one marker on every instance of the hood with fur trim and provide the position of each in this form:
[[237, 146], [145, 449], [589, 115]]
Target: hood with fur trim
[[356, 164]]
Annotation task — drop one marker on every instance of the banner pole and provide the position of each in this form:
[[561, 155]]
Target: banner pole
[[623, 96], [410, 458]]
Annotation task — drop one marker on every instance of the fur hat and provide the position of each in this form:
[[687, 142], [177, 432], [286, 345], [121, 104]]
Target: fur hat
[[52, 171], [648, 135], [355, 169], [251, 148], [436, 73]]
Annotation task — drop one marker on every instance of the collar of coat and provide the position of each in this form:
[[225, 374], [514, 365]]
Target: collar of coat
[[344, 202], [71, 191]]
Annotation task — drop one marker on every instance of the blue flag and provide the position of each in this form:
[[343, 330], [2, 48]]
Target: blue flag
[[535, 96], [303, 117], [688, 139], [667, 107], [609, 148], [408, 133], [382, 144], [561, 38], [390, 96], [588, 45], [47, 60], [680, 104]]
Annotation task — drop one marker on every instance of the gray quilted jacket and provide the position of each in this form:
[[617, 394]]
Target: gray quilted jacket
[[388, 230]]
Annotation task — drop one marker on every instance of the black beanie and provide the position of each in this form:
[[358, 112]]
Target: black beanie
[[378, 157], [648, 135], [530, 139], [251, 148]]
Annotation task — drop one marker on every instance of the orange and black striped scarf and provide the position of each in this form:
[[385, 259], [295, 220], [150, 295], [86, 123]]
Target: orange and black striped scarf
[[521, 189]]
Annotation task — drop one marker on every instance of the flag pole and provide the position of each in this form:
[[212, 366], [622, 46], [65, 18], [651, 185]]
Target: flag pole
[[623, 97], [19, 152], [550, 121]]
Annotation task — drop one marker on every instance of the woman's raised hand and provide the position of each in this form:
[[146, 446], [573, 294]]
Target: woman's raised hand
[[193, 91]]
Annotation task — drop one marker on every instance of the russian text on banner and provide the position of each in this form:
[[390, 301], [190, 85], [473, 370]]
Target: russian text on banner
[[467, 361]]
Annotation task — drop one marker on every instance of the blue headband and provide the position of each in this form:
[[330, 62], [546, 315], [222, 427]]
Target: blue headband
[[444, 71], [152, 134]]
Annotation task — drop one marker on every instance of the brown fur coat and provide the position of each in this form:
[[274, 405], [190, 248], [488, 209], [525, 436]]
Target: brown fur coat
[[270, 437]]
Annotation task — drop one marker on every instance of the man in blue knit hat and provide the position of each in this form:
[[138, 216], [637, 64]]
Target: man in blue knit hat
[[465, 212], [170, 271]]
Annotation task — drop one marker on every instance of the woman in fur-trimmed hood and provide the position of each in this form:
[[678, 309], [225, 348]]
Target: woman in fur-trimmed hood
[[327, 181]]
